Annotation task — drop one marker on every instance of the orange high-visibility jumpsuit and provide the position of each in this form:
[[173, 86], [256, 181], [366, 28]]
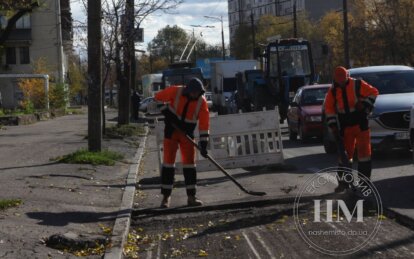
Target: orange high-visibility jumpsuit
[[185, 113], [343, 109]]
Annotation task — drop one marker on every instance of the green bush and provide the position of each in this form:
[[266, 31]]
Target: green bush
[[57, 96]]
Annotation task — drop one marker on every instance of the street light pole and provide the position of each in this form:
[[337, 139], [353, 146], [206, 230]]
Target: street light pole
[[222, 38], [222, 33], [346, 35]]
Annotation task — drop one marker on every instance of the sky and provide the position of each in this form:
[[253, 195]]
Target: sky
[[191, 12]]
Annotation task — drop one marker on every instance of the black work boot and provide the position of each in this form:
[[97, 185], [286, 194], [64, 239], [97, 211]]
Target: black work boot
[[365, 168], [342, 185]]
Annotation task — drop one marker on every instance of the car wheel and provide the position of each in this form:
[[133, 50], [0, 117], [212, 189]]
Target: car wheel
[[292, 135]]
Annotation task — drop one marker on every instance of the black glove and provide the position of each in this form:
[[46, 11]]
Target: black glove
[[170, 118], [203, 148]]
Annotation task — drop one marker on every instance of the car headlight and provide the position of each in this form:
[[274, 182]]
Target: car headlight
[[314, 118]]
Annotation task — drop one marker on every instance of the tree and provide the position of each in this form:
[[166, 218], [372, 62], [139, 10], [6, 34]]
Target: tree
[[242, 46], [331, 29], [77, 80], [34, 89], [170, 42]]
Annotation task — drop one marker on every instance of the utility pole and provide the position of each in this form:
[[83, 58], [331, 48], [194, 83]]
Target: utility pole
[[295, 21], [346, 35], [222, 39], [253, 33], [129, 50], [95, 76]]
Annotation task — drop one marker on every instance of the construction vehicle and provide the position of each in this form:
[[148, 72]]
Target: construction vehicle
[[287, 65]]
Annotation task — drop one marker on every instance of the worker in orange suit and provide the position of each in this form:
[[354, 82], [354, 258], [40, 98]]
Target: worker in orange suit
[[185, 105], [347, 105]]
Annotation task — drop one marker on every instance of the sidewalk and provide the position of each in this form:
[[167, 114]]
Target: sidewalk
[[83, 200]]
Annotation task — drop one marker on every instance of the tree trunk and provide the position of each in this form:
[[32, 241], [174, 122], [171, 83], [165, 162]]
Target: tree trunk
[[129, 49], [95, 76]]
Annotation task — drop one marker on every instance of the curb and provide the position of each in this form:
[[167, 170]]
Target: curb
[[122, 223]]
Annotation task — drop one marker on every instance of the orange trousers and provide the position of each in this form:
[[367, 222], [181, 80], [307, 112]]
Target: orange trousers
[[354, 137], [187, 149], [171, 145]]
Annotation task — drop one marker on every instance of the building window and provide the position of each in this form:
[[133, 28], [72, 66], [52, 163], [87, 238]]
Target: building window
[[10, 56], [23, 22], [24, 55]]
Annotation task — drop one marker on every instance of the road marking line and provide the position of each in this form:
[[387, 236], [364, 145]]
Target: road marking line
[[159, 247], [149, 252], [251, 245], [260, 239]]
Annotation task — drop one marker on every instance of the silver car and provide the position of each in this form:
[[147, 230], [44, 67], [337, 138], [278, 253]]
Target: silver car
[[389, 121]]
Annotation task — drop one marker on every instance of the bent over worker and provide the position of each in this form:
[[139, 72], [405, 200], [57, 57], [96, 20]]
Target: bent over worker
[[347, 105], [185, 106]]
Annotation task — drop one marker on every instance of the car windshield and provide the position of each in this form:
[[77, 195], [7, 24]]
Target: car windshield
[[390, 82], [314, 96]]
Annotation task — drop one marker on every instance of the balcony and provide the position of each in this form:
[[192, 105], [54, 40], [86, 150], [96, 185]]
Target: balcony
[[19, 35]]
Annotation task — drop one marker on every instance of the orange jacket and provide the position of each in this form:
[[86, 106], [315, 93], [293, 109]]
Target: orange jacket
[[335, 108], [197, 109]]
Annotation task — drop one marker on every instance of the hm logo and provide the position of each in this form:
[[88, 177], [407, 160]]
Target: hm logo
[[341, 206]]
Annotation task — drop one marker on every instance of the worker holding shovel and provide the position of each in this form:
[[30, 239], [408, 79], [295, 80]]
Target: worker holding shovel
[[185, 106], [347, 105]]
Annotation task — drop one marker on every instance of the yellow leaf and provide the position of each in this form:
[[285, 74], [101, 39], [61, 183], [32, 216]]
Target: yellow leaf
[[202, 253], [382, 217]]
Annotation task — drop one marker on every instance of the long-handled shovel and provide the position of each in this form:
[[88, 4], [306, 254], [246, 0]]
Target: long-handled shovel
[[221, 168]]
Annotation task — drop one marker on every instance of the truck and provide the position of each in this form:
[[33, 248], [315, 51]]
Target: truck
[[151, 84], [223, 81], [287, 65]]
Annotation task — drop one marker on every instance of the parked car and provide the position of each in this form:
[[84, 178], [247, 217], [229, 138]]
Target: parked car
[[305, 112], [389, 121], [144, 104]]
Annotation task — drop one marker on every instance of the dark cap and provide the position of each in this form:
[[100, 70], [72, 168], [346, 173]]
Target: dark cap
[[194, 85]]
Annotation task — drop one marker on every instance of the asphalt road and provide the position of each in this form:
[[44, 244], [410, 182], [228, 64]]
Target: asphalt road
[[239, 226]]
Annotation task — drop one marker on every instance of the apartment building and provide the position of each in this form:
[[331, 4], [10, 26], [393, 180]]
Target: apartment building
[[45, 33], [242, 11]]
